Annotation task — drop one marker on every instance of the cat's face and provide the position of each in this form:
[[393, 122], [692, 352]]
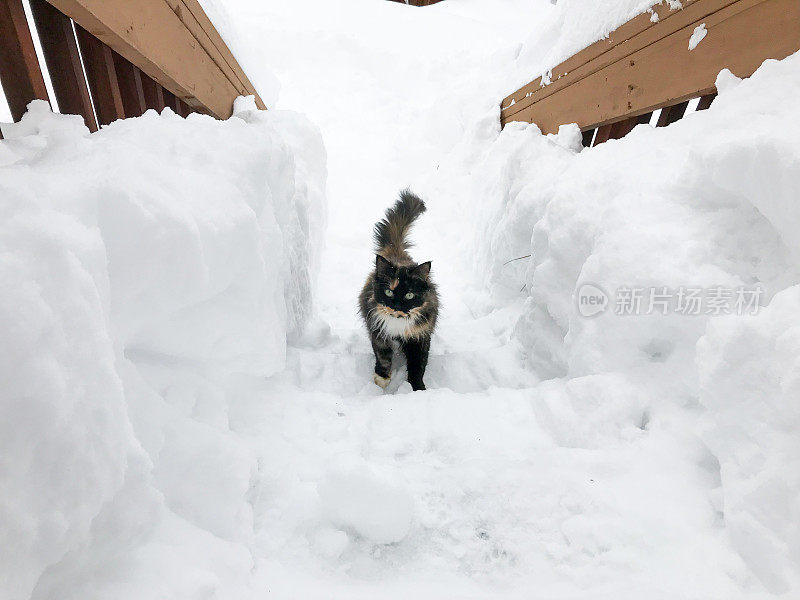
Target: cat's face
[[400, 289]]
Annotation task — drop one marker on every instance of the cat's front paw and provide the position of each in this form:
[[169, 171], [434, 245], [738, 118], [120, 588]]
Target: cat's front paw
[[381, 381]]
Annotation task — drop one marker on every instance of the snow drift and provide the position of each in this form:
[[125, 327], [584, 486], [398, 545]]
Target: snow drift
[[700, 203], [750, 384], [156, 242]]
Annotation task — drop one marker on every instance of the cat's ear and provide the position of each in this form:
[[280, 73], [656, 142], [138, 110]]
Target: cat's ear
[[422, 271], [383, 266]]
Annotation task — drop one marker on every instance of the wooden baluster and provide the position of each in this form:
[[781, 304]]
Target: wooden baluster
[[171, 101], [705, 101], [60, 50], [102, 77], [19, 68], [622, 128], [603, 134], [153, 93], [130, 86], [645, 118], [670, 114], [184, 109]]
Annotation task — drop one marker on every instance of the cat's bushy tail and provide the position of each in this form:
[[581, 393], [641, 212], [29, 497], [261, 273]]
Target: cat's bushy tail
[[391, 233]]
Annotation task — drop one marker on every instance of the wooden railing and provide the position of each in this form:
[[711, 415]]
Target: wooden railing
[[418, 2], [111, 59], [646, 65]]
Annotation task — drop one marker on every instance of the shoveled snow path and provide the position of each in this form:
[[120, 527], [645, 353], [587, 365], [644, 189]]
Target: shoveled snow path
[[510, 487], [489, 484]]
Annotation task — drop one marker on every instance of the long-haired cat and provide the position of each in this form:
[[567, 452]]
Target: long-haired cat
[[399, 301]]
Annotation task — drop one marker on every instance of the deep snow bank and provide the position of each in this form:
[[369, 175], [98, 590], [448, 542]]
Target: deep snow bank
[[750, 383], [157, 248], [708, 203]]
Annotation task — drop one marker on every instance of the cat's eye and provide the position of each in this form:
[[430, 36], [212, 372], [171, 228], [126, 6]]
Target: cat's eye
[[409, 296], [389, 293]]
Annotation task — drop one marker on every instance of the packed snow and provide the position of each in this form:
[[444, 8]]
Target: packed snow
[[188, 409]]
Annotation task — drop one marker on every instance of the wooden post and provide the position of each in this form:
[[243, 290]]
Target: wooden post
[[60, 50], [19, 67], [130, 86], [102, 77]]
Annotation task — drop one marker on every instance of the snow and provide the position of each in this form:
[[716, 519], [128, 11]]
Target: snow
[[697, 36], [377, 509], [188, 410], [749, 374], [697, 202], [184, 247]]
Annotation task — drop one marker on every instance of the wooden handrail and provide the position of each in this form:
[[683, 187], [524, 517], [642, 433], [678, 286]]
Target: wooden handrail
[[111, 59], [173, 42], [644, 66]]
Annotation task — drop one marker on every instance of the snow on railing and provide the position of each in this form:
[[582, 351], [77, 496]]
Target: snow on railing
[[111, 59], [661, 59]]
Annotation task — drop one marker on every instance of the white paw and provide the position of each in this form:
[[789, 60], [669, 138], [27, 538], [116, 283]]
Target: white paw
[[381, 381]]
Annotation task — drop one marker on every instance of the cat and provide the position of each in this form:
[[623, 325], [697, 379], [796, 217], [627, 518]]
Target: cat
[[399, 301]]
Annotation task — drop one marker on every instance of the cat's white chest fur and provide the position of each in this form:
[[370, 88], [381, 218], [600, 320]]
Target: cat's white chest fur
[[393, 326]]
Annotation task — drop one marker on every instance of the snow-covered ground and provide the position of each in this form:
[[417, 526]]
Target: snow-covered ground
[[159, 438]]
